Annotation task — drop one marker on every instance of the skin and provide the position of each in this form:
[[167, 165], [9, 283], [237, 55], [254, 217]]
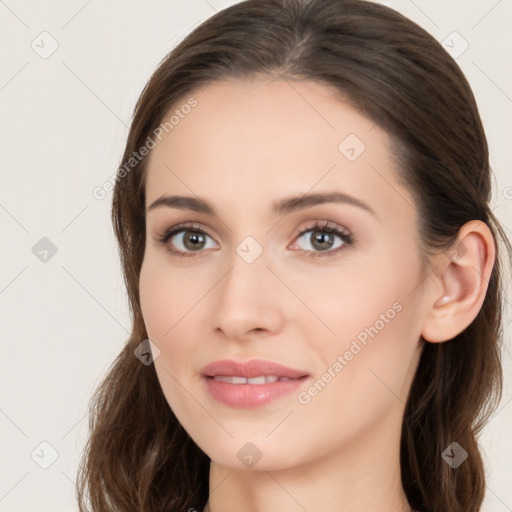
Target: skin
[[246, 144]]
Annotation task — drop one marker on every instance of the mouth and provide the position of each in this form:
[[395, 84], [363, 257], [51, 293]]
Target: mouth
[[250, 384], [261, 379], [255, 370]]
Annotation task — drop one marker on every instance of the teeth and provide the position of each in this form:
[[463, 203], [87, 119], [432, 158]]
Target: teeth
[[262, 379], [257, 380]]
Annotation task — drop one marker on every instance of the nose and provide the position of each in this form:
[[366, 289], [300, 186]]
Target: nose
[[247, 300]]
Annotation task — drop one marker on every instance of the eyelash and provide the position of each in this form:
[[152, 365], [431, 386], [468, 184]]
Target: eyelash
[[317, 226]]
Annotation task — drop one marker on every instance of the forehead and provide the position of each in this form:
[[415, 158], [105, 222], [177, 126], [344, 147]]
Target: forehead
[[252, 141]]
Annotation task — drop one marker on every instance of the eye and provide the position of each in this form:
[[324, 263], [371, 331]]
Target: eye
[[193, 239], [321, 239]]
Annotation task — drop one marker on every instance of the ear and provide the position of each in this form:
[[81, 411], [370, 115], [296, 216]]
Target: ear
[[460, 283]]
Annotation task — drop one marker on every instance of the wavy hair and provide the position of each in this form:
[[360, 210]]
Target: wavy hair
[[138, 457]]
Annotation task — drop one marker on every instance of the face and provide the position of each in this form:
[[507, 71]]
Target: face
[[330, 288]]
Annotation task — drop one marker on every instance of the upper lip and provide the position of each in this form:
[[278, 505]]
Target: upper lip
[[252, 368]]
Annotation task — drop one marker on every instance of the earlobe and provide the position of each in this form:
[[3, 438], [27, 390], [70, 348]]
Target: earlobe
[[463, 276], [444, 300]]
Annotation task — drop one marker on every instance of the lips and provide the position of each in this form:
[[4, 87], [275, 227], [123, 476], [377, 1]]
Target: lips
[[251, 369], [250, 384]]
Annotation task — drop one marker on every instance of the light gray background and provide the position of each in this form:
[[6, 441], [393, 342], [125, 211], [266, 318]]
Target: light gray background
[[63, 123]]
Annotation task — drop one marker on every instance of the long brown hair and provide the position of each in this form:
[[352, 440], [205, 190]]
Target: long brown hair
[[138, 457]]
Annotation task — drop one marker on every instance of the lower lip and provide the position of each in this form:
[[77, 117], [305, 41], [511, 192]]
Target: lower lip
[[249, 396]]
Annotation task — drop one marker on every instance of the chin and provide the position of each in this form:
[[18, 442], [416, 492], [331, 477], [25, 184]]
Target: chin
[[251, 453]]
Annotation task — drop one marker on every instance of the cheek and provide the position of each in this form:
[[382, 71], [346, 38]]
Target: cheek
[[162, 293], [162, 305], [162, 299], [151, 303], [166, 299], [367, 373], [375, 327]]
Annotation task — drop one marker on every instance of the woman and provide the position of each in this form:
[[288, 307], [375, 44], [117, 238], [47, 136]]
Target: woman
[[313, 271]]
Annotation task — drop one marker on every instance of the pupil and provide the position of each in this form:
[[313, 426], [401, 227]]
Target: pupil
[[321, 238], [193, 239]]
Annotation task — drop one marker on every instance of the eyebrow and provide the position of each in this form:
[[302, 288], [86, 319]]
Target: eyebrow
[[280, 207]]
